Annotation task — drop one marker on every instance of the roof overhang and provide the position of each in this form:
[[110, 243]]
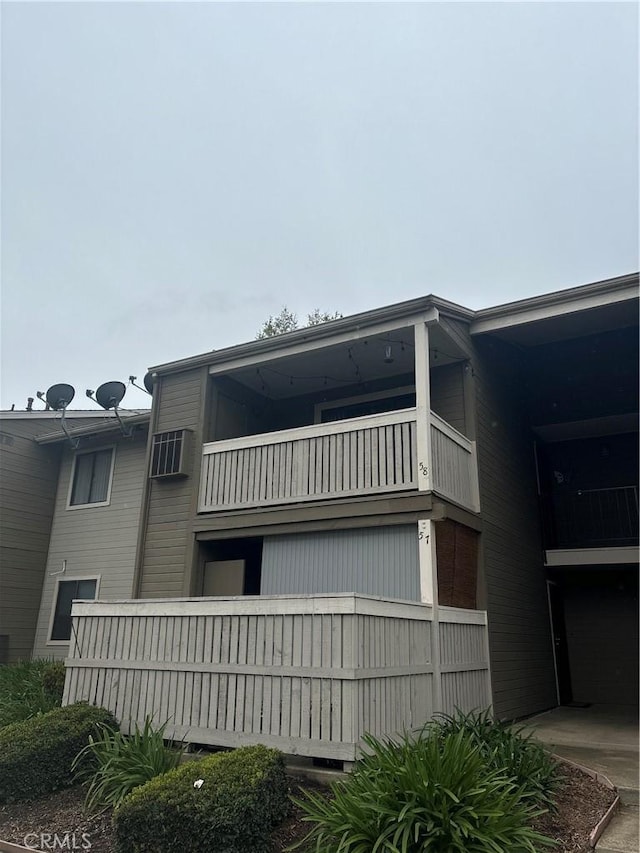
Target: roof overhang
[[612, 301], [110, 426], [589, 428], [357, 326], [601, 306], [52, 414]]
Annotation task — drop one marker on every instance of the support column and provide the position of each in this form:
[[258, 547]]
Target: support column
[[429, 595], [469, 394], [423, 408]]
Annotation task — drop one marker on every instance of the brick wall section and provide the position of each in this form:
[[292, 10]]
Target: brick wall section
[[457, 556]]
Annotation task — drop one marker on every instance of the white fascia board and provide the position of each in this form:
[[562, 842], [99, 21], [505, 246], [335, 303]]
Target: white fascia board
[[353, 327], [52, 414], [429, 316], [110, 425], [553, 305]]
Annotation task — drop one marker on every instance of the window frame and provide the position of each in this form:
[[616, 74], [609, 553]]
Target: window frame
[[54, 602], [107, 501]]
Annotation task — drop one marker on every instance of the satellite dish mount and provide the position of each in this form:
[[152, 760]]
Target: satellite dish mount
[[58, 397], [109, 395], [147, 382]]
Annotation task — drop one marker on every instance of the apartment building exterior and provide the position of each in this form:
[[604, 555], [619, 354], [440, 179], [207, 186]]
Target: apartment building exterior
[[353, 526]]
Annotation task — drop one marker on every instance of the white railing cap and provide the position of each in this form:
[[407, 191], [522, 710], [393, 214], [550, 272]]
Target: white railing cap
[[258, 605]]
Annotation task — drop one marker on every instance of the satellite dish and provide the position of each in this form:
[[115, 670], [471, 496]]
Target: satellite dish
[[148, 382], [59, 396], [109, 395]]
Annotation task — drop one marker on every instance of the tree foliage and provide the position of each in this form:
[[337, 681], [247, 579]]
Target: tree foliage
[[287, 321], [316, 317]]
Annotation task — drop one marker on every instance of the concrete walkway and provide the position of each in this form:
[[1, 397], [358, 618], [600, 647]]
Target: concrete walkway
[[605, 740]]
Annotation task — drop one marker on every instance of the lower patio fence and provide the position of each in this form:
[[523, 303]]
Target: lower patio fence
[[306, 674]]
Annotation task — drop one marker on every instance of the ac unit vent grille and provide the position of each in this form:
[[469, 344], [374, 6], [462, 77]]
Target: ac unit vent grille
[[168, 454]]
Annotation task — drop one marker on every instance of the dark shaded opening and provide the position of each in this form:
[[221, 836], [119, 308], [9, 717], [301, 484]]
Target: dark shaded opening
[[249, 550]]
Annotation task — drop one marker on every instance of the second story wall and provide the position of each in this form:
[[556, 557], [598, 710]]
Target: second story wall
[[94, 542], [447, 395], [166, 545], [220, 408], [511, 543]]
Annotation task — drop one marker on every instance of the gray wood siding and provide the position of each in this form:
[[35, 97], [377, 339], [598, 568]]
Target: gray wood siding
[[28, 479], [95, 541], [167, 544], [447, 395], [511, 543], [373, 561]]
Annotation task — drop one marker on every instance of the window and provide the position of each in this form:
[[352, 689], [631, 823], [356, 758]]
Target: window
[[391, 400], [67, 592], [168, 454], [91, 480]]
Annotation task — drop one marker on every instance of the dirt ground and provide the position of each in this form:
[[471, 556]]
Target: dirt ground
[[581, 803]]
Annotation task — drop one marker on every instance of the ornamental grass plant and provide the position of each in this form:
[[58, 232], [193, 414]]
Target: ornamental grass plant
[[114, 764], [506, 747], [29, 688], [434, 793]]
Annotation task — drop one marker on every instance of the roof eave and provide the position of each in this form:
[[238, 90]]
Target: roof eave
[[93, 429], [560, 302], [324, 331]]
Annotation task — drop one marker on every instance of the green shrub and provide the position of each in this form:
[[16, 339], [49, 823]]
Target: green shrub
[[430, 793], [243, 795], [119, 763], [506, 748], [36, 755], [53, 677], [29, 688]]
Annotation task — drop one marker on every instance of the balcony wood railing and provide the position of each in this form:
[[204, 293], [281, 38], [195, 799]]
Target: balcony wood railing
[[359, 456], [454, 464], [588, 518]]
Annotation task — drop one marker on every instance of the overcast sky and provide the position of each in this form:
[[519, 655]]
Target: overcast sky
[[174, 173]]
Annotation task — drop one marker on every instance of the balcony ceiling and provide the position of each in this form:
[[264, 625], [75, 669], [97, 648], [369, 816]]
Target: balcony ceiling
[[343, 365]]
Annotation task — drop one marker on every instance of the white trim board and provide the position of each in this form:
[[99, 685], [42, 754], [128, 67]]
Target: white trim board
[[589, 428], [258, 605], [591, 556], [428, 316], [555, 304]]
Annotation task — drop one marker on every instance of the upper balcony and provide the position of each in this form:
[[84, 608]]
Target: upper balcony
[[360, 456], [373, 412], [589, 499]]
